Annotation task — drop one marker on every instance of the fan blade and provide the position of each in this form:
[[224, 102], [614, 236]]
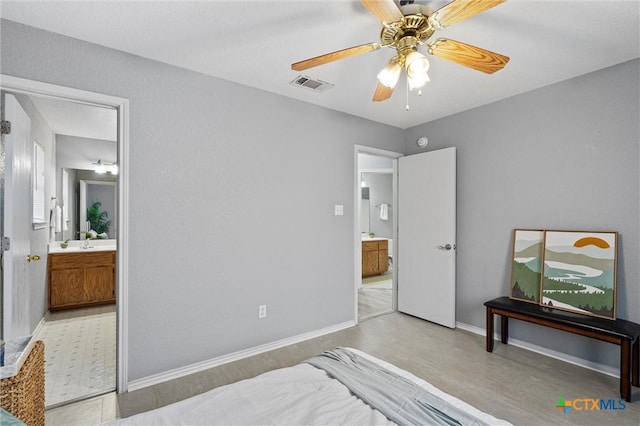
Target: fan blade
[[335, 56], [382, 93], [467, 55], [385, 10], [459, 10]]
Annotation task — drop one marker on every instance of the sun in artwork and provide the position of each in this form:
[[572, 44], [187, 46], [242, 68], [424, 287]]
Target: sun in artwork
[[591, 241]]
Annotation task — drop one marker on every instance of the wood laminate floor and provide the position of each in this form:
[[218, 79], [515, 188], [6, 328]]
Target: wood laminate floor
[[511, 383], [375, 296], [373, 302]]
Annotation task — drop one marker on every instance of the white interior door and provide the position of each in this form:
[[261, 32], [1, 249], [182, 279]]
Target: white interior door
[[426, 258], [17, 221]]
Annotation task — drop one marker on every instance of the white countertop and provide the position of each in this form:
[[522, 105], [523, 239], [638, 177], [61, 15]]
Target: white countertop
[[374, 239], [79, 246]]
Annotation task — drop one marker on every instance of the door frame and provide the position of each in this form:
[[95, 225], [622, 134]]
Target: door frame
[[40, 89], [357, 238]]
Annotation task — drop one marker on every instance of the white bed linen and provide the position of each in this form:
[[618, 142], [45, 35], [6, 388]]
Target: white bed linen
[[300, 395]]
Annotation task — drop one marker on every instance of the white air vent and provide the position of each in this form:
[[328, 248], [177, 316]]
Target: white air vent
[[311, 84]]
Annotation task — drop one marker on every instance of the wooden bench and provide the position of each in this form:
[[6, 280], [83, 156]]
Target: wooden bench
[[624, 333]]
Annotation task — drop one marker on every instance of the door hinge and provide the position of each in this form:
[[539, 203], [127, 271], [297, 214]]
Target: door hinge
[[6, 244], [5, 127]]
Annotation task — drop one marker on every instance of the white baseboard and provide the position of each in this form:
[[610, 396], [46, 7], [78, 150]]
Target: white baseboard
[[38, 328], [601, 368], [235, 356]]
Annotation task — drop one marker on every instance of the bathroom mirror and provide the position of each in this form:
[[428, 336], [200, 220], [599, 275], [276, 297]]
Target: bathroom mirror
[[78, 190], [103, 192], [78, 159]]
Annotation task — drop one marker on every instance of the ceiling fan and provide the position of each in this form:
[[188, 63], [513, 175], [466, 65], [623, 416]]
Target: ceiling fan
[[410, 26]]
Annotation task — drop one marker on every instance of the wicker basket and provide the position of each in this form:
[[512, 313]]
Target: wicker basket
[[23, 394]]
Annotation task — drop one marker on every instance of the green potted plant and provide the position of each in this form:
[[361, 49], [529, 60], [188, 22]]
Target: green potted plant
[[99, 219]]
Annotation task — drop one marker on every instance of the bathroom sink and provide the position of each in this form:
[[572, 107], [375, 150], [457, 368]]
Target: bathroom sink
[[79, 246]]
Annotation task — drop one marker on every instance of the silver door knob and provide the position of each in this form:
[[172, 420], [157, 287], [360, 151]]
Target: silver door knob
[[446, 247]]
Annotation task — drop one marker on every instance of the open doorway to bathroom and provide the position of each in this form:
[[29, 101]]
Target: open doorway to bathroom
[[71, 301], [377, 219]]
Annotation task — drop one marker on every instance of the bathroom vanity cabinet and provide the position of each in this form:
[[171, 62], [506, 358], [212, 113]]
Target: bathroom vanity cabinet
[[81, 279], [375, 257]]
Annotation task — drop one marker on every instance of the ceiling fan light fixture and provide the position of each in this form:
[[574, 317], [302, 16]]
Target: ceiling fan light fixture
[[418, 81], [417, 64], [390, 74], [406, 27]]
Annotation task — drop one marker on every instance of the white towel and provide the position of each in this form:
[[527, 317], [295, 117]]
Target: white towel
[[384, 212], [57, 216]]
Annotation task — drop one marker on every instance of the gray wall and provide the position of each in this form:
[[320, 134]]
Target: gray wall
[[204, 152], [368, 161], [562, 157]]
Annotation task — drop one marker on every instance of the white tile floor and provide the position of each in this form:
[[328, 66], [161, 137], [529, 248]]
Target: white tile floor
[[80, 353], [93, 411]]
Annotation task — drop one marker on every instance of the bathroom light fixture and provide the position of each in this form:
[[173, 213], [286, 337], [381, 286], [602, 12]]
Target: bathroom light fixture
[[101, 168]]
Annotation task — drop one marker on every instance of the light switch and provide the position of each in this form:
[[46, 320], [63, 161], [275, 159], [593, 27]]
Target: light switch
[[339, 209]]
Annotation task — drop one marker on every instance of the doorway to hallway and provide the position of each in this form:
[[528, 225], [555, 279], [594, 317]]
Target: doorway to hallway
[[376, 218]]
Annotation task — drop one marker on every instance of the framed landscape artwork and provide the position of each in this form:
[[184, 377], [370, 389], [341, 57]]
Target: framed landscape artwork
[[579, 272], [526, 265]]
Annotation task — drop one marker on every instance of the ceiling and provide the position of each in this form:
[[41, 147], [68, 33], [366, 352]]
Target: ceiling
[[254, 44], [75, 119]]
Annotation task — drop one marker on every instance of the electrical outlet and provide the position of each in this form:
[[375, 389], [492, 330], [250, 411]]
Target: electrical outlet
[[262, 311], [338, 209]]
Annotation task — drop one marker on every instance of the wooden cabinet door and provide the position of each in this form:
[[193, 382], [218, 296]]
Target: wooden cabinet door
[[383, 261], [66, 287], [369, 263], [99, 282], [369, 258], [81, 279]]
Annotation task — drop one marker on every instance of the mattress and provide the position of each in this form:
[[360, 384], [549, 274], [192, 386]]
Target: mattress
[[300, 395]]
